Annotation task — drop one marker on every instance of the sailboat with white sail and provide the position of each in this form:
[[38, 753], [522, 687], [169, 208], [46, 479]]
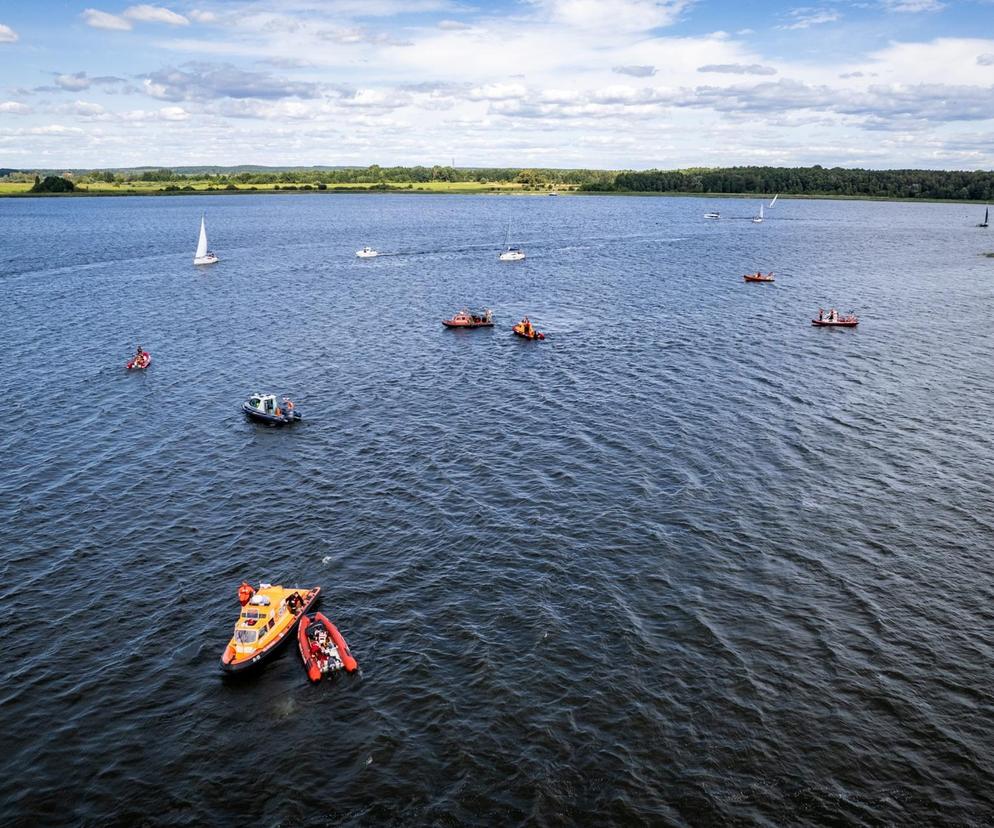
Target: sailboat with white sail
[[203, 256], [774, 202], [510, 254], [758, 218], [987, 213]]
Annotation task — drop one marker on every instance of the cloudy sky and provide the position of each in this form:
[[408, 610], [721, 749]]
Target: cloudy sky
[[563, 83]]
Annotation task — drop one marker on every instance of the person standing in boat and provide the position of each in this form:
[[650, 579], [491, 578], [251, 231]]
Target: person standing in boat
[[821, 315]]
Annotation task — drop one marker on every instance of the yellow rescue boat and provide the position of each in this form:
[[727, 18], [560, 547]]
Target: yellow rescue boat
[[269, 615]]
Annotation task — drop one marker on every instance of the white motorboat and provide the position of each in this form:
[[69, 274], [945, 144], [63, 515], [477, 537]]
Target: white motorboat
[[367, 253], [714, 214], [203, 256]]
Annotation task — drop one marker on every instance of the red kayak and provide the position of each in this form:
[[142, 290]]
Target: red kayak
[[322, 647], [140, 363]]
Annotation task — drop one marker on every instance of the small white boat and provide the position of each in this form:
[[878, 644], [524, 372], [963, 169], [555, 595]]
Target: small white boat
[[758, 219], [367, 253], [714, 214], [510, 254], [774, 202], [203, 256]]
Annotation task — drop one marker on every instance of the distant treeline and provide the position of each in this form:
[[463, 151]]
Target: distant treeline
[[815, 181], [810, 181], [373, 174]]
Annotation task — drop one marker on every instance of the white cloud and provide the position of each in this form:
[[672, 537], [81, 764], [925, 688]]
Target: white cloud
[[453, 25], [73, 82], [643, 71], [805, 18], [55, 129], [985, 60], [102, 20], [7, 34], [913, 6], [167, 113], [617, 15], [173, 113], [14, 108], [86, 109], [738, 69], [498, 92], [147, 13], [203, 16]]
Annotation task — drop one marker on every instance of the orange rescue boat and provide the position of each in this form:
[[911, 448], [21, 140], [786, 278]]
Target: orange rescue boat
[[268, 617]]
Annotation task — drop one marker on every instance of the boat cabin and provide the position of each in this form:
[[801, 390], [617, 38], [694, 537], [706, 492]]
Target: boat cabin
[[264, 403], [257, 618]]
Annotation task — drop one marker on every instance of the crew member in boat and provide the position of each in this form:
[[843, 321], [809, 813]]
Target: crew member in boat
[[321, 649], [293, 601], [138, 354], [821, 315]]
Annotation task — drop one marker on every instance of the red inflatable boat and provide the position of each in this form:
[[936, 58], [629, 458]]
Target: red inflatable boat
[[139, 363], [322, 647]]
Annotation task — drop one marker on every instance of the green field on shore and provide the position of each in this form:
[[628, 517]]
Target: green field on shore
[[202, 186]]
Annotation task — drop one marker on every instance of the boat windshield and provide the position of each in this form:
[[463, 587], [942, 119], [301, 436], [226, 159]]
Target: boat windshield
[[246, 636]]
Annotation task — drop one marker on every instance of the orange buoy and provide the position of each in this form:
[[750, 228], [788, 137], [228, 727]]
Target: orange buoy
[[245, 593]]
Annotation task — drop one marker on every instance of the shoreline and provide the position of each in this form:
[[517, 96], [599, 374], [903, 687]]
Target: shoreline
[[373, 190]]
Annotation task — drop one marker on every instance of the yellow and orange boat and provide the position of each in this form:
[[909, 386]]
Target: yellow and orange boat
[[269, 615]]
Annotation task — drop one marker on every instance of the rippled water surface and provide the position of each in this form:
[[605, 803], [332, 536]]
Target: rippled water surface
[[688, 561]]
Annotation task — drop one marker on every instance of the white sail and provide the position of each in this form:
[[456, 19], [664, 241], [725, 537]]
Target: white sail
[[202, 244], [772, 203]]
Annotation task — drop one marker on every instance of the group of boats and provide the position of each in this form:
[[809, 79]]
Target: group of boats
[[268, 618], [485, 319], [756, 219], [829, 319], [508, 254]]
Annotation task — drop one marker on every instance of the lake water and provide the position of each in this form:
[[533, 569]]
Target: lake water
[[688, 561]]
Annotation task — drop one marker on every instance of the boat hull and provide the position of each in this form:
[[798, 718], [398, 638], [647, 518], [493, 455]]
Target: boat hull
[[842, 323], [303, 646], [532, 335], [206, 260], [270, 419], [267, 652], [450, 324], [758, 278], [133, 366]]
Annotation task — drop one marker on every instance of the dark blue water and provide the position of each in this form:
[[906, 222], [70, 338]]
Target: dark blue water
[[689, 561]]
